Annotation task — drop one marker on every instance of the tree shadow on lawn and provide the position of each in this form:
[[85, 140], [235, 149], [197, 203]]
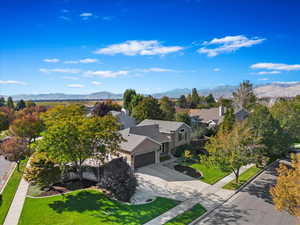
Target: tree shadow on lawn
[[260, 186], [107, 210]]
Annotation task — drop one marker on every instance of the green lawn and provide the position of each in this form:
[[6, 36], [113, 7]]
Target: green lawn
[[89, 207], [297, 145], [210, 174], [10, 190], [244, 177], [188, 216]]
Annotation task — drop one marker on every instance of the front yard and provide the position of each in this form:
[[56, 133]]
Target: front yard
[[244, 177], [211, 175], [90, 207], [9, 191]]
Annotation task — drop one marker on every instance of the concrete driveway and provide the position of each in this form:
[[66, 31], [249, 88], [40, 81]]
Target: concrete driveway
[[251, 206], [158, 180]]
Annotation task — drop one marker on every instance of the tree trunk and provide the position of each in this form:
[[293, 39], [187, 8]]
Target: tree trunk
[[18, 165], [80, 172], [237, 175]]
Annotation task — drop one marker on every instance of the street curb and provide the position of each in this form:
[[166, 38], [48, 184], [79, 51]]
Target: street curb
[[233, 195], [11, 172]]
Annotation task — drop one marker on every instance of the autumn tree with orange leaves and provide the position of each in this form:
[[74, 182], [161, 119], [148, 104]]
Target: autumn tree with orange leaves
[[286, 192]]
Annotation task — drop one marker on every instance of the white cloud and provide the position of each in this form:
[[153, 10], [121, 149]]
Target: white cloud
[[155, 69], [96, 83], [106, 73], [75, 85], [86, 60], [65, 18], [275, 66], [65, 10], [12, 82], [228, 44], [216, 69], [86, 14], [54, 60], [70, 78], [268, 72], [107, 18], [263, 79], [131, 48], [73, 71], [286, 82]]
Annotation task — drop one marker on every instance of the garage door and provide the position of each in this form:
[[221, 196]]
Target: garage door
[[144, 159]]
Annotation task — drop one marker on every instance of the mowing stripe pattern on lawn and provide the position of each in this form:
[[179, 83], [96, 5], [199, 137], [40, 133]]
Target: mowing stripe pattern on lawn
[[90, 207]]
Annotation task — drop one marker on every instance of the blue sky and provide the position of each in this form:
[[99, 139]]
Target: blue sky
[[84, 46]]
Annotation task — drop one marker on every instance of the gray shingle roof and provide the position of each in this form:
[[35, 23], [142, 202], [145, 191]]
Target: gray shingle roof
[[132, 140], [164, 126]]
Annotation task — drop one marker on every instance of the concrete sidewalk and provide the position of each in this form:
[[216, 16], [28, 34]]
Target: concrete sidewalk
[[16, 207]]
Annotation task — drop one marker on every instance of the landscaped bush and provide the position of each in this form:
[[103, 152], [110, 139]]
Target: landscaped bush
[[119, 179], [188, 171]]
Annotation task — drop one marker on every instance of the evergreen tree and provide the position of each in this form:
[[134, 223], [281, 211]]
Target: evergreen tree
[[20, 105], [2, 101], [244, 96], [194, 98], [127, 97], [168, 108], [182, 102], [10, 103]]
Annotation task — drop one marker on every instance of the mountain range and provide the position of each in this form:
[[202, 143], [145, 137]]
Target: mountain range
[[287, 89]]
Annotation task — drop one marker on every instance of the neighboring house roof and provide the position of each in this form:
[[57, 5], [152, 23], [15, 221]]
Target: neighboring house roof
[[206, 115], [132, 141], [164, 126], [123, 117]]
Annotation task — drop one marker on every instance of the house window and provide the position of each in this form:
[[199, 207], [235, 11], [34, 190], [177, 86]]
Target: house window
[[162, 148]]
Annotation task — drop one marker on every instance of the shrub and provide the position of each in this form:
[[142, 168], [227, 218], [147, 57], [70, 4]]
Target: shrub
[[119, 179]]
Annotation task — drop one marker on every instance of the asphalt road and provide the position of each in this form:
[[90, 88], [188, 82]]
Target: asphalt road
[[5, 167], [252, 206]]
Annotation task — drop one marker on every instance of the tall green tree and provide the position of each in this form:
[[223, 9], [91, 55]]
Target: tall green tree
[[287, 112], [127, 97], [10, 103], [167, 106], [2, 101], [233, 150], [20, 105], [136, 99], [183, 117], [148, 108], [194, 98], [182, 102], [210, 99], [264, 126], [244, 96], [62, 112], [228, 121], [103, 108], [78, 138]]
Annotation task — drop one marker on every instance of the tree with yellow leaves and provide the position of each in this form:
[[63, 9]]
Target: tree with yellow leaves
[[286, 192]]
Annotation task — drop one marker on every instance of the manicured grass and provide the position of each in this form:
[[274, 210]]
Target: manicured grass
[[297, 145], [210, 174], [89, 207], [188, 216], [244, 177], [10, 190]]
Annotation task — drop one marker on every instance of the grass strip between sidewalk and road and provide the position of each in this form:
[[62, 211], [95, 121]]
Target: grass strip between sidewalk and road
[[244, 177], [10, 189], [188, 216]]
